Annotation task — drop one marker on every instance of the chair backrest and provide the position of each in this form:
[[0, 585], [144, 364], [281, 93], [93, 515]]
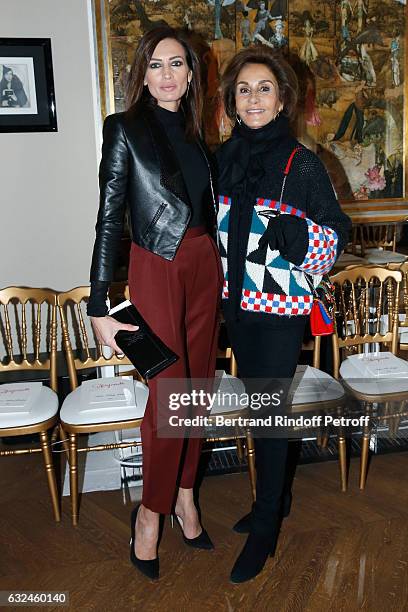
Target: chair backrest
[[313, 344], [82, 350], [403, 268], [354, 245], [28, 330], [374, 235], [367, 300]]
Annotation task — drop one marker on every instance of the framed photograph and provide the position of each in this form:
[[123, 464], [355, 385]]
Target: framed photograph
[[27, 98]]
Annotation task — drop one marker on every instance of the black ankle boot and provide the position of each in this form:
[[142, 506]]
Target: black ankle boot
[[244, 524], [253, 556]]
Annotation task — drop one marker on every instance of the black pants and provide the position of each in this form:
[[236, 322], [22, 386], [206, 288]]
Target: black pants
[[264, 352]]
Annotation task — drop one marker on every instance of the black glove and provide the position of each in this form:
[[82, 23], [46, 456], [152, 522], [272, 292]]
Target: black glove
[[287, 234], [273, 235]]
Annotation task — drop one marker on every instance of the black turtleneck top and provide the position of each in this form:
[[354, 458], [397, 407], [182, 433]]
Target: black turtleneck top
[[196, 176], [191, 161]]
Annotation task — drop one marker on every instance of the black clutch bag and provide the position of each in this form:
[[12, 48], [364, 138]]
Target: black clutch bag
[[145, 350]]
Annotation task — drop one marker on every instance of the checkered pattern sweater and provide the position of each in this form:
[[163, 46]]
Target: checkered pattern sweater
[[265, 281]]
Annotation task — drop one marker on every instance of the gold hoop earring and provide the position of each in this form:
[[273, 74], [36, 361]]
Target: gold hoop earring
[[276, 116], [188, 88], [238, 119]]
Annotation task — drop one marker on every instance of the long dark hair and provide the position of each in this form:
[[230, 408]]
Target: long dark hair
[[284, 74], [137, 92]]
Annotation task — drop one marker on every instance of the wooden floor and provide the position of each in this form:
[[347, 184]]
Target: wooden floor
[[337, 552]]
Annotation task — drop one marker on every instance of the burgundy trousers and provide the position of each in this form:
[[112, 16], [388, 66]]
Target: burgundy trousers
[[180, 300]]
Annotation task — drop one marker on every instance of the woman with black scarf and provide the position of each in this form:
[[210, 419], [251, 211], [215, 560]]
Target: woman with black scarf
[[281, 228]]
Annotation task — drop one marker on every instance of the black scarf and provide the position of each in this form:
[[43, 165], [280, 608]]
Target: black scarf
[[241, 158], [242, 166]]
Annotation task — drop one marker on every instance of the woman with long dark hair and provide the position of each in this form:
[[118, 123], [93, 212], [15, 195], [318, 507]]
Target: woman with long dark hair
[[155, 165], [280, 229], [12, 92]]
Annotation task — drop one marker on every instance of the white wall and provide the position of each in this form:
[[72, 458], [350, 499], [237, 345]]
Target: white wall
[[49, 188]]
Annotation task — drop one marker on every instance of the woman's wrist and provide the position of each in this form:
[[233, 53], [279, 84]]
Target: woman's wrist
[[97, 300]]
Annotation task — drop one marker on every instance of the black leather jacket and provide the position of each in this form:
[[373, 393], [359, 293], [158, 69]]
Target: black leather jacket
[[139, 173]]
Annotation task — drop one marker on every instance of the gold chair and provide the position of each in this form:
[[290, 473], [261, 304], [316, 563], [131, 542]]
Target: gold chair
[[393, 412], [225, 352], [28, 326], [229, 383], [314, 345], [245, 435], [325, 387], [75, 324], [76, 416], [376, 243], [374, 236], [403, 305], [367, 300], [316, 393]]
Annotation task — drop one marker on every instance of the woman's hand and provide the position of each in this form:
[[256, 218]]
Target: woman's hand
[[287, 234], [106, 328], [273, 235]]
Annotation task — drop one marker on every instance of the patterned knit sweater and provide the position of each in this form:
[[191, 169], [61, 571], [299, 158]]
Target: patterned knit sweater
[[263, 283]]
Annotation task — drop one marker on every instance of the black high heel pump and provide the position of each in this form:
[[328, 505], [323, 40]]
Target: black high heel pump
[[149, 567], [202, 541]]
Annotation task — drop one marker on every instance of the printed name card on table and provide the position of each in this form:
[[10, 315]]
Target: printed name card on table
[[108, 393], [17, 398], [381, 365]]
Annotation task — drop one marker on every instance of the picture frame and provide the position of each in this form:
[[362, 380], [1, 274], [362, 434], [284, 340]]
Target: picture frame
[[355, 114], [350, 57], [27, 95], [103, 57], [118, 26]]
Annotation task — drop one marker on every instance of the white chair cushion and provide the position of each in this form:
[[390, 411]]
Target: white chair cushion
[[42, 406], [78, 410], [311, 385], [377, 256], [375, 373]]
